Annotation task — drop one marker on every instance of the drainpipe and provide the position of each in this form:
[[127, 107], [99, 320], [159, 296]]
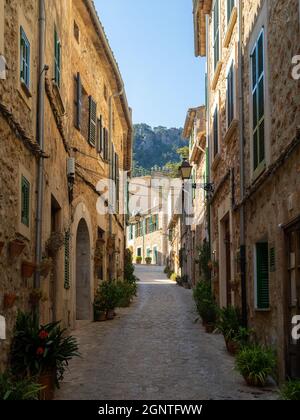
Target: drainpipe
[[115, 95], [40, 137], [242, 173]]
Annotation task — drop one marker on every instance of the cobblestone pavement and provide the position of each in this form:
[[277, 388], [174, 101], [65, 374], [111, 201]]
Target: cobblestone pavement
[[154, 350]]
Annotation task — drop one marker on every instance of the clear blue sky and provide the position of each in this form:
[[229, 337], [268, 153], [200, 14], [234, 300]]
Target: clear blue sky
[[153, 42]]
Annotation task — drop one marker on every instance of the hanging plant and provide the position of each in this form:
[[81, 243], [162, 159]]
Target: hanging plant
[[45, 267], [36, 296], [28, 269], [9, 300], [55, 242], [16, 247]]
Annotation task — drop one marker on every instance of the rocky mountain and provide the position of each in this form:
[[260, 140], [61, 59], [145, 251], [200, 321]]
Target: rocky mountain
[[155, 147]]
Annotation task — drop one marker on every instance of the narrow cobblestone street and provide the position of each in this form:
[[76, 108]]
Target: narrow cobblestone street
[[154, 350]]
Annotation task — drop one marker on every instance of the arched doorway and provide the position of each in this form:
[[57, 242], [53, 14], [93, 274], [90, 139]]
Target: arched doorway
[[83, 272]]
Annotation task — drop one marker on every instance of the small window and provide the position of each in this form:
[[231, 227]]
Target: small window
[[92, 122], [262, 276], [139, 252], [76, 32], [216, 32], [258, 102], [67, 260], [25, 59], [77, 101], [57, 59], [216, 132], [230, 6], [230, 95], [25, 202], [105, 92]]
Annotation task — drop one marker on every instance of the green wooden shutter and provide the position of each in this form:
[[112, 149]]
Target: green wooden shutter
[[216, 132], [57, 59], [262, 273], [67, 261], [92, 122], [100, 136], [24, 58], [25, 201], [78, 101]]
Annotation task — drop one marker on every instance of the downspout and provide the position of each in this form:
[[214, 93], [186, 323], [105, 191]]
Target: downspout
[[115, 95], [40, 138], [242, 173]]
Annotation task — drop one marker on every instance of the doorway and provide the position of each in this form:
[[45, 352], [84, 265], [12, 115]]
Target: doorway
[[293, 298], [227, 243], [83, 273]]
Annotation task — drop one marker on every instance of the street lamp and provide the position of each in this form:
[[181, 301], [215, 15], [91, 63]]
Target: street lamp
[[185, 170]]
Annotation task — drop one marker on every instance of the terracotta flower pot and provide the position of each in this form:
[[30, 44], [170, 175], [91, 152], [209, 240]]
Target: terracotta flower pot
[[47, 380], [9, 300], [232, 347], [254, 382], [1, 246], [110, 315], [16, 247], [209, 328], [28, 269], [100, 316]]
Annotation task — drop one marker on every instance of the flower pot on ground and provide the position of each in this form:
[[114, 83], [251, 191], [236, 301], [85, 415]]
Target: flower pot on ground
[[256, 363], [18, 389], [209, 327], [9, 300], [41, 351], [100, 316], [99, 308], [139, 260], [47, 382], [229, 324], [232, 347], [107, 298], [110, 314], [148, 260], [1, 246], [16, 248], [290, 391], [28, 269]]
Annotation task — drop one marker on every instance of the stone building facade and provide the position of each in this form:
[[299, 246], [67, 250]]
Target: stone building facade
[[147, 234], [253, 120], [53, 177]]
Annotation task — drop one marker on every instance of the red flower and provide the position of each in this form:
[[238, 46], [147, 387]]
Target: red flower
[[40, 351], [43, 335]]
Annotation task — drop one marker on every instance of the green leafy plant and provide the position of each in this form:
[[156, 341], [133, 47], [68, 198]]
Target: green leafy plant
[[291, 390], [205, 302], [38, 350], [139, 260], [126, 290], [148, 260], [229, 322], [174, 277], [110, 294], [13, 389], [255, 363], [204, 261]]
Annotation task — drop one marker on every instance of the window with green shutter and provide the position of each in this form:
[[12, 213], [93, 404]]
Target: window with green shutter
[[230, 95], [57, 59], [262, 276], [216, 32], [100, 136], [258, 101], [216, 132], [92, 121], [25, 201], [230, 6], [24, 58], [67, 261], [78, 101]]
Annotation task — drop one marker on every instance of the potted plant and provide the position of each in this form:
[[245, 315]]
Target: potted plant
[[15, 248], [43, 352], [109, 293], [9, 300], [15, 389], [255, 363], [28, 269], [290, 391], [148, 260], [45, 266], [1, 246], [36, 296], [99, 308], [229, 324], [55, 242], [139, 260]]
